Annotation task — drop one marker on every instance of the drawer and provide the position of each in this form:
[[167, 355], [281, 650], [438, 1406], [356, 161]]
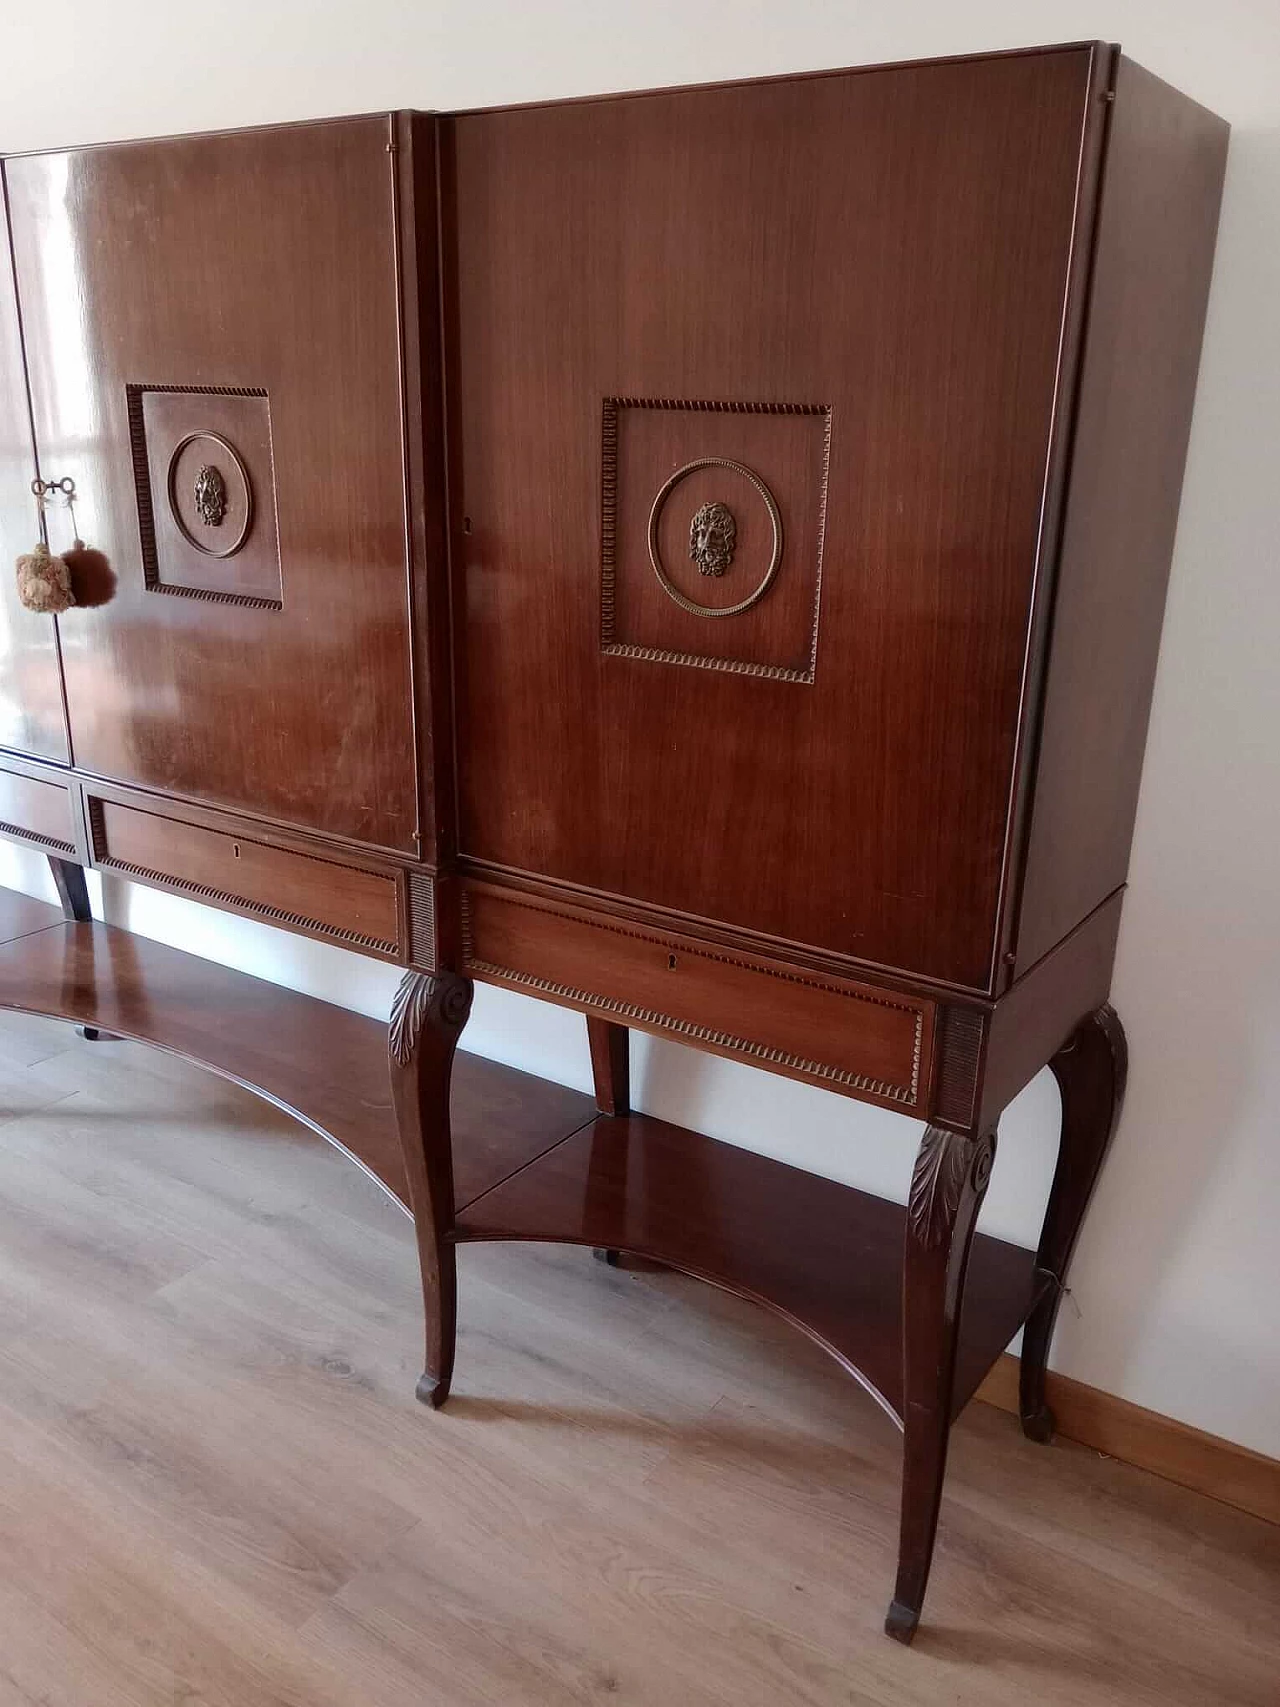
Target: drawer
[[315, 895], [874, 1043], [38, 810]]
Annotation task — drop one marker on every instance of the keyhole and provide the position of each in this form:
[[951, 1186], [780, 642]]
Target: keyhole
[[235, 848], [671, 963], [466, 524]]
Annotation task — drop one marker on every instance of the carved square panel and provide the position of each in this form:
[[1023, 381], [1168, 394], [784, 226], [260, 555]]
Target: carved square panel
[[712, 533], [206, 493]]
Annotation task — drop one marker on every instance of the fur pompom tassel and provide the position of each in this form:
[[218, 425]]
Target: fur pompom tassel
[[44, 582]]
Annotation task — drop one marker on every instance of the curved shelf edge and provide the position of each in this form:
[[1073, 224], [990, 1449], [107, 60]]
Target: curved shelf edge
[[722, 1284], [825, 1257], [323, 1065], [202, 1061]]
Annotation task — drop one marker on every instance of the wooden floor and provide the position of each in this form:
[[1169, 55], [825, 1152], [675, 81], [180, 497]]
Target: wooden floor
[[217, 1490]]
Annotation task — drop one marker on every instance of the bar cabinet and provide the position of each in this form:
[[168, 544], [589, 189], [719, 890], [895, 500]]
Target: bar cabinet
[[696, 557]]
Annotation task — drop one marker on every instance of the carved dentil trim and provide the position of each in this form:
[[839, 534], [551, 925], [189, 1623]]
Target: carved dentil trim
[[445, 1000], [945, 1163], [610, 645], [908, 1094]]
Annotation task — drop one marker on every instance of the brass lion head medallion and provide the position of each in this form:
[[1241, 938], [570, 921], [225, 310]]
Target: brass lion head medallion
[[210, 496], [713, 534]]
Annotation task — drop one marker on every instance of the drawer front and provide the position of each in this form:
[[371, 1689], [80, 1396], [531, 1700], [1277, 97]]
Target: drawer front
[[872, 1043], [37, 810], [317, 895]]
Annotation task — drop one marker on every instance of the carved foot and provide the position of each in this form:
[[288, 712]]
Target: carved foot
[[432, 1391], [1039, 1425], [901, 1623]]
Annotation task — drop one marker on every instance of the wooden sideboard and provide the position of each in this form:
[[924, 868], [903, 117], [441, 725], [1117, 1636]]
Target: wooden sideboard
[[696, 557]]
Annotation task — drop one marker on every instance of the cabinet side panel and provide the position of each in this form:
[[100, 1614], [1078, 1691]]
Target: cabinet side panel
[[32, 717], [1154, 257]]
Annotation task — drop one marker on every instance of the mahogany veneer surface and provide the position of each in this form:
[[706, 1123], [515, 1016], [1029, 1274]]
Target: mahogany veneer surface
[[256, 274], [324, 1064], [530, 1161], [637, 285], [20, 915], [826, 1256]]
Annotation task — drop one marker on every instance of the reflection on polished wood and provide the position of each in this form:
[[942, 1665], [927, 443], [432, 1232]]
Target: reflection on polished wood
[[826, 1257], [318, 1061], [215, 1485], [32, 715], [471, 713]]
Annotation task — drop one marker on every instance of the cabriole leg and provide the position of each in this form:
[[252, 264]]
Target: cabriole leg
[[947, 1188], [1090, 1069], [427, 1017]]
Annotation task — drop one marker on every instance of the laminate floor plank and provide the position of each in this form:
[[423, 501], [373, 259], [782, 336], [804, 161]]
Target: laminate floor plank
[[216, 1488]]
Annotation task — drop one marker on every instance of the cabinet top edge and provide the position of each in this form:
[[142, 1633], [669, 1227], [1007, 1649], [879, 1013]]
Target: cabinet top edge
[[384, 117], [388, 114], [817, 74]]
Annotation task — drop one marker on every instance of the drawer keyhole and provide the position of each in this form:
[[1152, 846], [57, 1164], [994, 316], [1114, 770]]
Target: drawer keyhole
[[671, 963], [235, 848]]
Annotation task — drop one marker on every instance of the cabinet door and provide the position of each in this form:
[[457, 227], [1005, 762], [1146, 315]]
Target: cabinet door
[[756, 391], [212, 332], [32, 717]]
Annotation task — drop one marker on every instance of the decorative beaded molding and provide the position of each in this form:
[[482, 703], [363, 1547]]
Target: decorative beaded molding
[[610, 644], [905, 1094], [275, 915], [35, 836], [146, 515]]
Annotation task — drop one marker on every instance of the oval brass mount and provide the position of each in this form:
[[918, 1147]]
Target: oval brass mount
[[655, 554], [175, 508]]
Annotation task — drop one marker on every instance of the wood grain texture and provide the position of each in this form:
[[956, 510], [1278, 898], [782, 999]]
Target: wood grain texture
[[593, 251], [191, 263], [37, 809], [322, 1063], [947, 1187], [610, 1065], [215, 1487], [1091, 1070], [20, 915], [1154, 256], [32, 715], [360, 907], [1038, 1013], [1091, 1417], [872, 1042], [824, 1256], [427, 1017]]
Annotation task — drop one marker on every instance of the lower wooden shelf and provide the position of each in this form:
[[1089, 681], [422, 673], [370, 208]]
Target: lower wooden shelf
[[322, 1063], [823, 1255], [532, 1160]]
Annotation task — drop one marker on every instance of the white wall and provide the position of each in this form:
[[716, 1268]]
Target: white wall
[[1177, 1278]]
